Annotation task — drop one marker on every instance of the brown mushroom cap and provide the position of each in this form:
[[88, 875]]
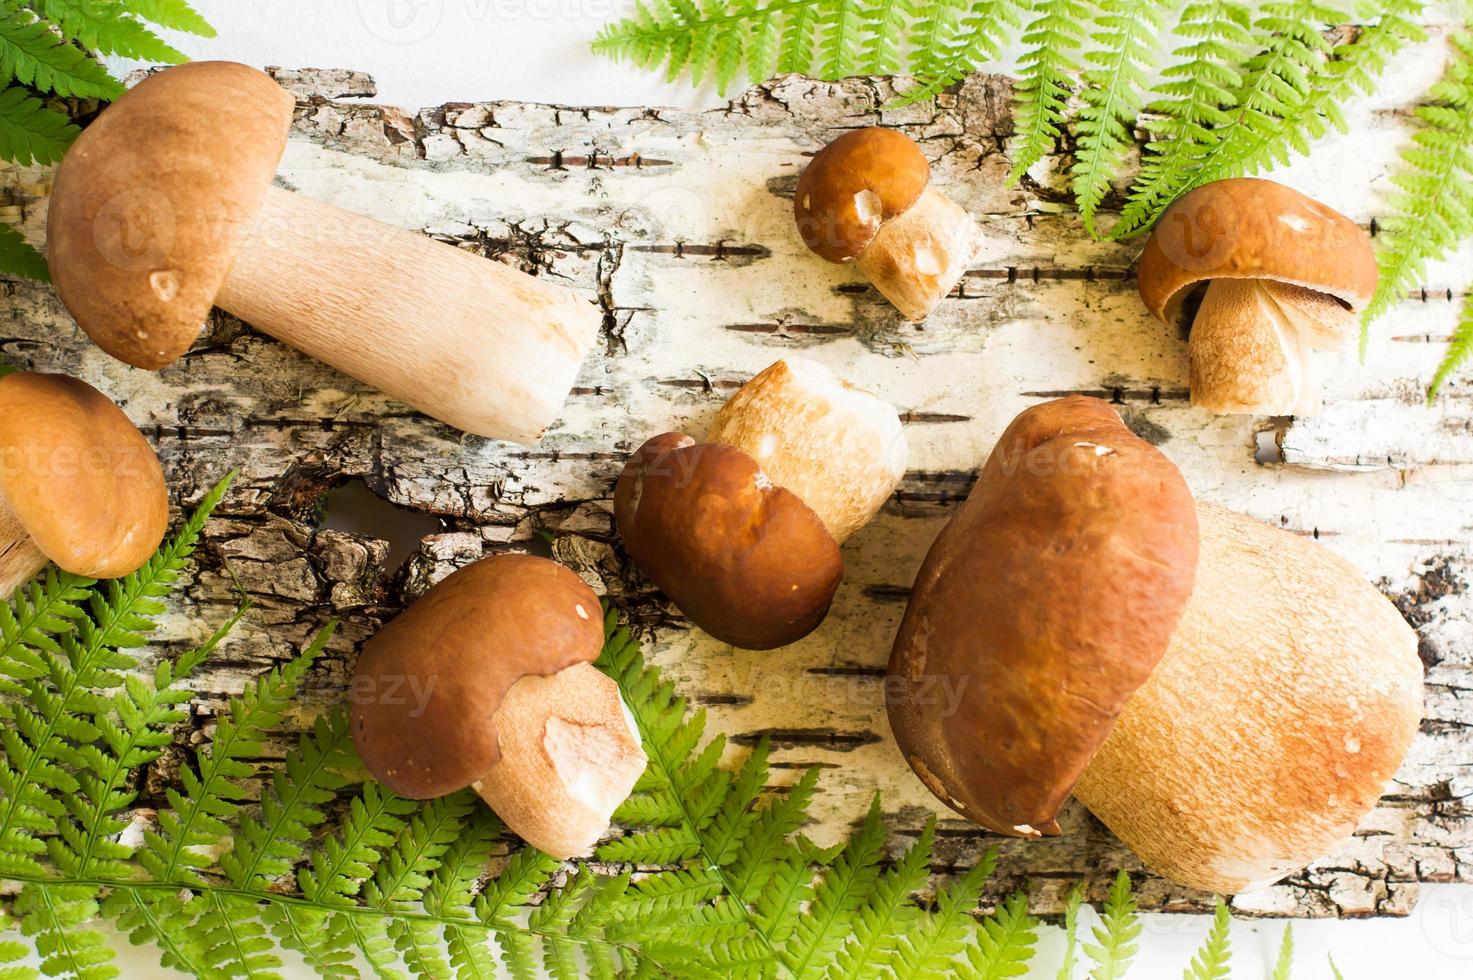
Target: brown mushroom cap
[[748, 562], [152, 199], [79, 476], [1248, 228], [428, 685], [1042, 606], [851, 186]]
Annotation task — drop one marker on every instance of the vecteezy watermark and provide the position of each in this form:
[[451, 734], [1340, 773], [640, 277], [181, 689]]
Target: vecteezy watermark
[[1446, 917], [413, 21], [401, 21], [394, 691], [36, 461]]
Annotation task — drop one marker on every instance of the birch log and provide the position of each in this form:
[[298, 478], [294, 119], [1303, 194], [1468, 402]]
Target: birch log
[[679, 225]]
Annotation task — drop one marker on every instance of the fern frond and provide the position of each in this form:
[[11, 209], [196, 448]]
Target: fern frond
[[234, 939], [106, 29], [57, 916], [46, 731], [1115, 937], [340, 866], [175, 15], [267, 846], [1198, 91], [1211, 961], [197, 814], [1052, 42], [163, 921], [29, 131], [34, 55], [931, 948], [1334, 970], [837, 897], [1458, 350], [12, 953], [133, 733], [1006, 942], [1431, 208], [1112, 92], [886, 916], [524, 875], [1284, 964], [40, 612], [1071, 931]]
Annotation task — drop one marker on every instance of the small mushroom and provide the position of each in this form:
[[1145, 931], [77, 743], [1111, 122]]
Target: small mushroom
[[79, 484], [488, 682], [743, 532], [867, 197], [1268, 277], [165, 206], [1227, 697]]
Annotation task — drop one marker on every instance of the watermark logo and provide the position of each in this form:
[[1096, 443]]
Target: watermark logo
[[401, 21]]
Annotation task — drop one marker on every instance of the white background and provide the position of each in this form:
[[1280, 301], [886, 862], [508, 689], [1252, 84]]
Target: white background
[[427, 52]]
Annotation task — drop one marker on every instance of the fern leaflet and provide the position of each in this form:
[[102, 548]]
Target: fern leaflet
[[1284, 963], [1115, 937], [1211, 961]]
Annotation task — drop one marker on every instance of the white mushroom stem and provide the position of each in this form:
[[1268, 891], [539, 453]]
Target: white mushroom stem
[[1253, 342], [20, 559], [841, 449], [917, 257], [570, 754], [469, 341]]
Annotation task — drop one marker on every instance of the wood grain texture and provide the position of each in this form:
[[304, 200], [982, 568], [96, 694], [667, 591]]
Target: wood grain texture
[[679, 224]]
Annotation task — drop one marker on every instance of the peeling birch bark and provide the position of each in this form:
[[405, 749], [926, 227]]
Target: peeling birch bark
[[679, 225]]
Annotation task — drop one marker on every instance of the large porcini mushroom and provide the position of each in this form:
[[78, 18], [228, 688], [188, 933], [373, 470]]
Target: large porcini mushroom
[[164, 207], [867, 197], [1269, 276], [487, 681], [1046, 602], [743, 532], [1230, 737], [79, 484]]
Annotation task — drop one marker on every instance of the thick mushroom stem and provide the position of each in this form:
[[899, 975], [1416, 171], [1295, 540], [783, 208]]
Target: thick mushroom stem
[[471, 342], [20, 559], [917, 257], [1252, 346], [570, 754]]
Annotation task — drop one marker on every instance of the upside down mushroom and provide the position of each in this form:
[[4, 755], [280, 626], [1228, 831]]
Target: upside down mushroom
[[867, 198], [1228, 698], [742, 531], [1275, 276], [488, 682], [79, 484]]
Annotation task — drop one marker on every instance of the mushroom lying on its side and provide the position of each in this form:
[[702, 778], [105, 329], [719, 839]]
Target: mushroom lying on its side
[[1231, 717], [1277, 275], [488, 682], [866, 197], [79, 484], [743, 532]]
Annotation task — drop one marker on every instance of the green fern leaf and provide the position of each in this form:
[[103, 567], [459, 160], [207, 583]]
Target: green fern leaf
[[12, 953], [1431, 208], [1051, 43], [267, 846], [1071, 931], [986, 27], [524, 875], [887, 915], [163, 921], [764, 847], [1284, 964], [30, 132], [32, 54], [1112, 94], [938, 26], [1457, 351], [1115, 937], [338, 868], [106, 29], [175, 15], [57, 917], [1006, 942], [321, 938], [39, 613], [885, 20], [1211, 961], [837, 897], [197, 814], [931, 948], [1334, 970], [235, 940]]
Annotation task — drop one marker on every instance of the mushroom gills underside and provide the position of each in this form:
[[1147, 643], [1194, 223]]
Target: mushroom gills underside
[[1252, 346]]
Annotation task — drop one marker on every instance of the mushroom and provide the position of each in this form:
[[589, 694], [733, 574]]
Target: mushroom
[[1227, 697], [164, 207], [488, 682], [79, 485], [867, 197], [1274, 276], [743, 532]]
